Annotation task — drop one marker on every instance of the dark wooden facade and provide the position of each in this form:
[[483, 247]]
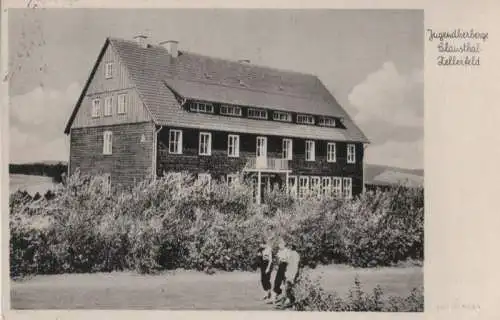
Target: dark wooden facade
[[219, 164]]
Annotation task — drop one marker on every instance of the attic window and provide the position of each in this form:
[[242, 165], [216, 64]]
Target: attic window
[[202, 107], [108, 70], [305, 119], [230, 110], [257, 114], [327, 122], [282, 116]]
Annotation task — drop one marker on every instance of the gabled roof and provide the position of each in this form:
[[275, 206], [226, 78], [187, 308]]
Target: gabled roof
[[159, 78]]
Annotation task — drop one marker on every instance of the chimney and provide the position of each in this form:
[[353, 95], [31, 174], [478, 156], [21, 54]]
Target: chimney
[[171, 47], [141, 40], [244, 61]]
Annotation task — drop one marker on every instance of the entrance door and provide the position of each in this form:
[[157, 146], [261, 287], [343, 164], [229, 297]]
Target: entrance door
[[261, 152]]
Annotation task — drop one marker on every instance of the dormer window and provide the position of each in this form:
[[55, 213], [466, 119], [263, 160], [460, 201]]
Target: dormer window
[[230, 110], [327, 122], [201, 107], [257, 113], [305, 119], [282, 116]]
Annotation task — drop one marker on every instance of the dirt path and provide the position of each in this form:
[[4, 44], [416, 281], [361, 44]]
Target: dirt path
[[186, 289]]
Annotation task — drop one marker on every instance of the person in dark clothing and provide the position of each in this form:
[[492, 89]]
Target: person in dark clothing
[[265, 257], [279, 278]]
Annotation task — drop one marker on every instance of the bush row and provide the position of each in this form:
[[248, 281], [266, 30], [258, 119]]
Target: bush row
[[310, 296], [180, 222]]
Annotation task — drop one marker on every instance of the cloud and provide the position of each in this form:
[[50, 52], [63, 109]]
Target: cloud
[[398, 154], [389, 96], [37, 121]]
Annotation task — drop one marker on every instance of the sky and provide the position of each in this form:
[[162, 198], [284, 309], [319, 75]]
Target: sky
[[370, 60]]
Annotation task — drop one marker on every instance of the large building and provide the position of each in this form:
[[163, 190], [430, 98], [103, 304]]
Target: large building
[[148, 108]]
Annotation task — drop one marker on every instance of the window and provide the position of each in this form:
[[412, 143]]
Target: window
[[326, 186], [201, 107], [96, 108], [331, 152], [347, 188], [282, 116], [107, 147], [205, 148], [106, 184], [261, 150], [310, 154], [205, 178], [175, 142], [108, 70], [351, 153], [337, 187], [305, 119], [108, 101], [303, 186], [315, 185], [327, 122], [257, 114], [232, 179], [233, 145], [230, 110], [287, 149], [122, 103], [292, 185]]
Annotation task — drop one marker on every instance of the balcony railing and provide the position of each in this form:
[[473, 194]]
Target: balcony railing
[[266, 164]]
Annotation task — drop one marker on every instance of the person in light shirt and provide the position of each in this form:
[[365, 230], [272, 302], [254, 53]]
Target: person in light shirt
[[288, 270]]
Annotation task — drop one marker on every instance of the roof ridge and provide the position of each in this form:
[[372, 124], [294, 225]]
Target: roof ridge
[[223, 59]]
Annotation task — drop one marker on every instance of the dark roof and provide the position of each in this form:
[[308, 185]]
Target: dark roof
[[159, 78]]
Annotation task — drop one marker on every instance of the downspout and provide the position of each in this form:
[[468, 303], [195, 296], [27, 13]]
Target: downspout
[[364, 167], [155, 152]]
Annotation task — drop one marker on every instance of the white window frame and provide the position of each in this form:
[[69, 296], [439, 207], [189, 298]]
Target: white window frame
[[231, 179], [305, 119], [282, 116], [122, 103], [337, 187], [229, 110], [310, 150], [108, 70], [315, 185], [205, 144], [108, 106], [347, 188], [287, 149], [202, 177], [351, 153], [175, 146], [257, 113], [327, 122], [96, 107], [107, 146], [303, 189], [202, 107], [261, 150], [233, 145], [326, 186], [331, 152], [292, 185]]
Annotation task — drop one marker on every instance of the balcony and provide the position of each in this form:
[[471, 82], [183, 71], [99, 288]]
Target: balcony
[[267, 164]]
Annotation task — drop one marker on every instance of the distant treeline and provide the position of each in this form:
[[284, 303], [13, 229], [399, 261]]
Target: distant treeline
[[54, 171]]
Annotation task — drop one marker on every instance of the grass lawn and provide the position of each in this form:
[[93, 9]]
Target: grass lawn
[[188, 289]]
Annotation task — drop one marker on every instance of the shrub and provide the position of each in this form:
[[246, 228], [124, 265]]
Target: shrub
[[177, 222], [310, 296]]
